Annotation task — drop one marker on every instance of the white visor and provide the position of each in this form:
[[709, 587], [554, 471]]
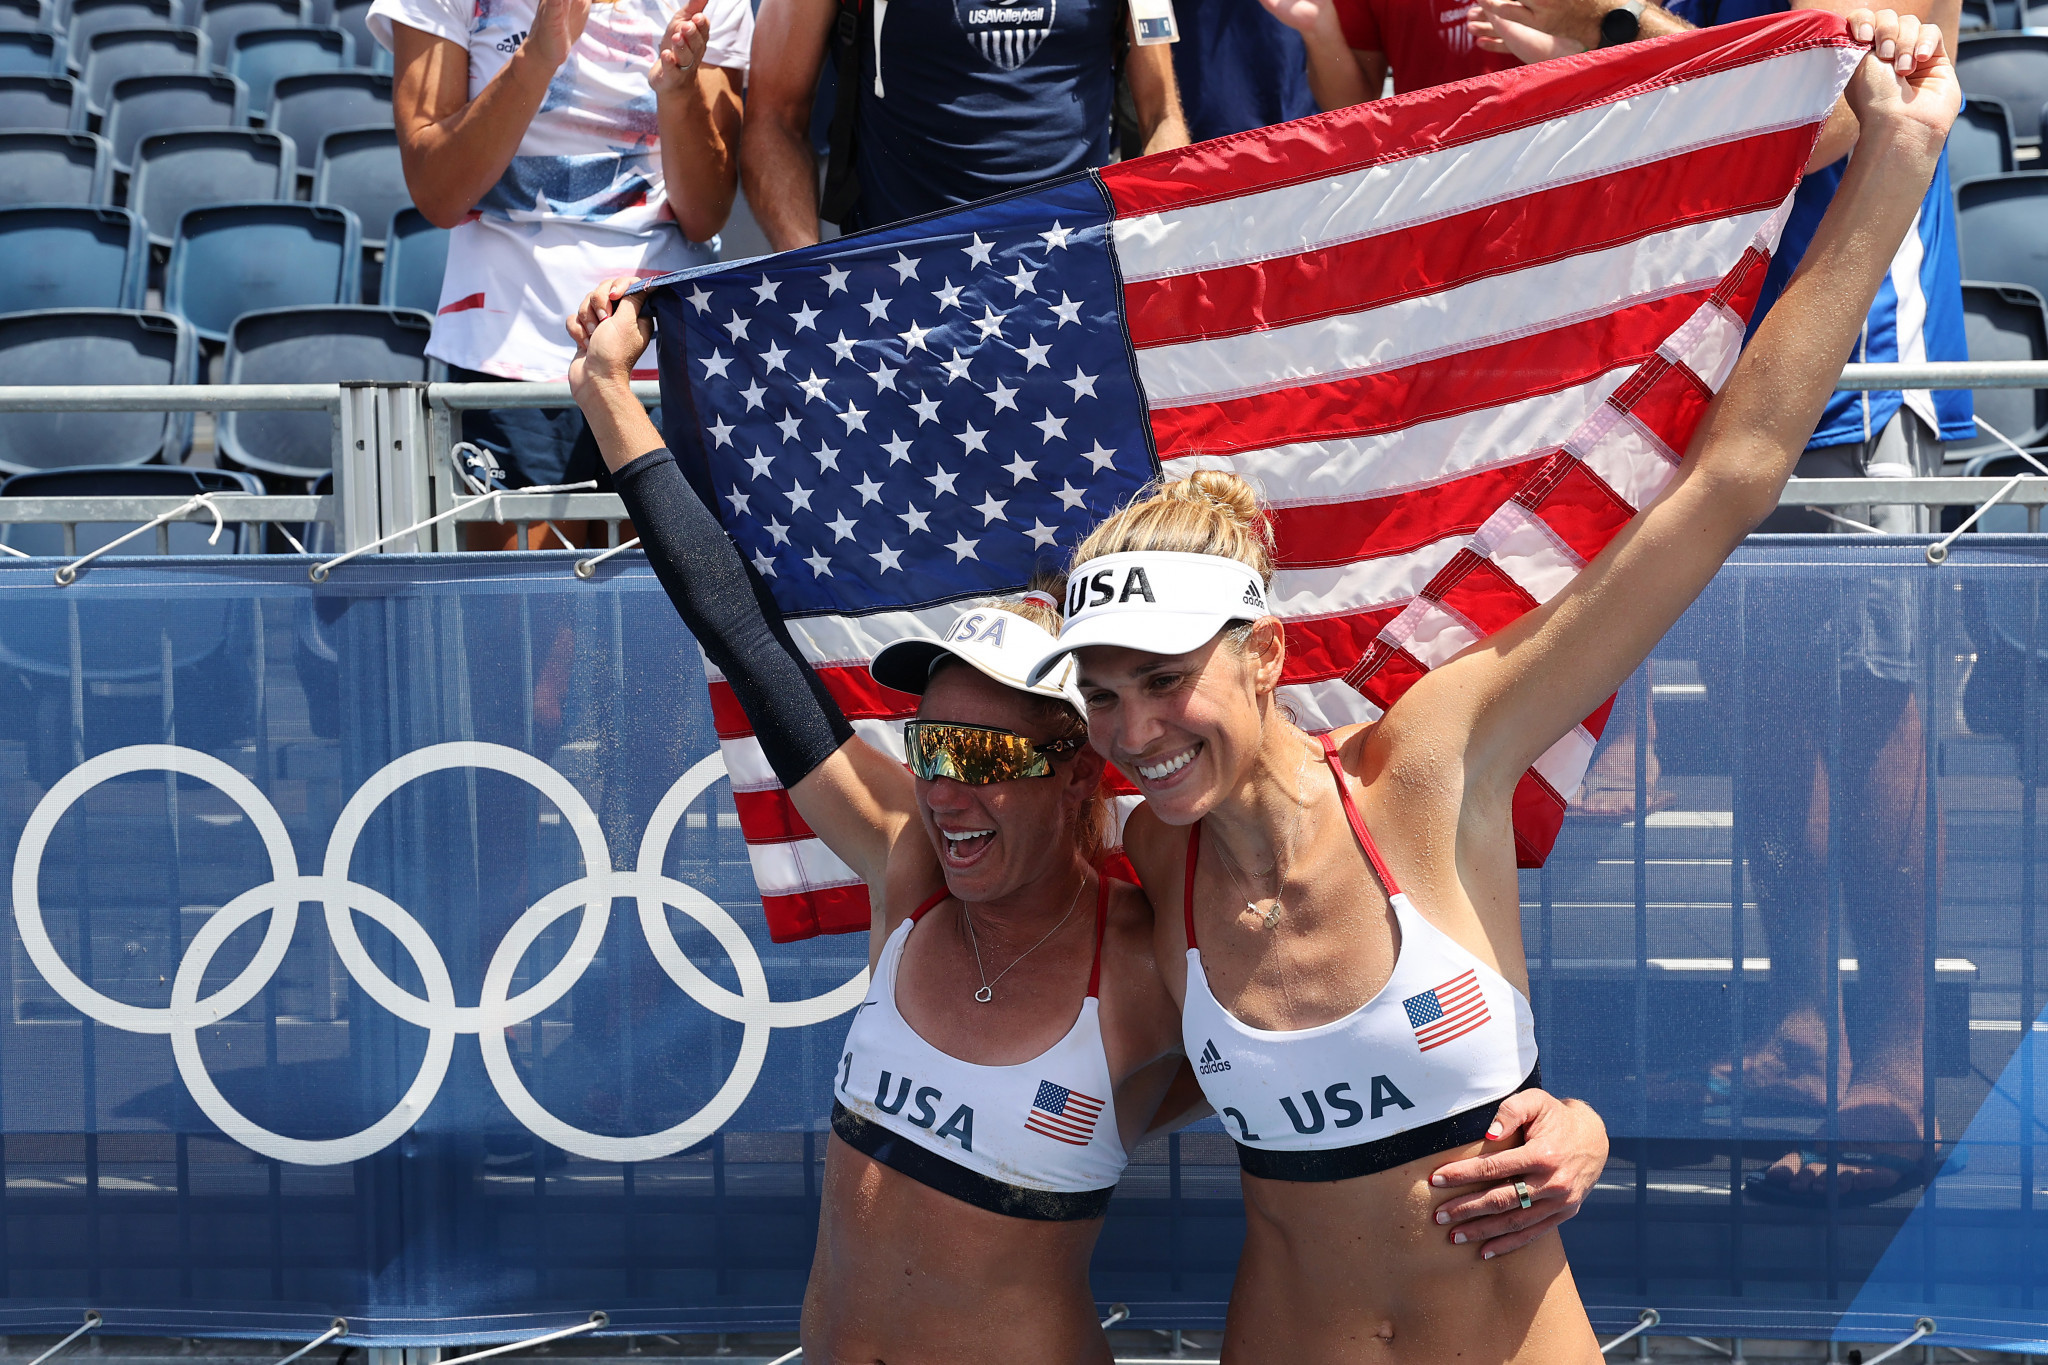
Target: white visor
[[1159, 601], [998, 643]]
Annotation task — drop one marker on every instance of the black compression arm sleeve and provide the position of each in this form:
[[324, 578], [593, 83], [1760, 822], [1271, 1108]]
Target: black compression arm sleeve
[[727, 607]]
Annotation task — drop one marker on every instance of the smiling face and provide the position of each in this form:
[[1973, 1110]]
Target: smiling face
[[1184, 728], [996, 840]]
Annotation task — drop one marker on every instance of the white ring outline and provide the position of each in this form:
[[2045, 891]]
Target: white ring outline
[[443, 1019]]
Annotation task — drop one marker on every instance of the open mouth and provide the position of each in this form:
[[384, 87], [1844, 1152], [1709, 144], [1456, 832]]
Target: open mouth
[[966, 846], [1165, 771]]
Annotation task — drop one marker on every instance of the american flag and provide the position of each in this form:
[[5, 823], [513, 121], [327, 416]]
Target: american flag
[[1447, 1013], [1063, 1115], [1457, 338]]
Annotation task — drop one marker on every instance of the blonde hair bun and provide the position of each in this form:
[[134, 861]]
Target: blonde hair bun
[[1210, 512]]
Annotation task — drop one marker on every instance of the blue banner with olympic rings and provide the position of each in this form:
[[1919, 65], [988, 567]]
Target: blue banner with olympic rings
[[387, 949]]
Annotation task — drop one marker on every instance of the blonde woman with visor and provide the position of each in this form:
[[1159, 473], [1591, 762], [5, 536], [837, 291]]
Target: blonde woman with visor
[[1355, 1037], [1016, 1041]]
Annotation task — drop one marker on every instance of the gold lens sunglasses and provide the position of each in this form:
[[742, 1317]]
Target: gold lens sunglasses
[[978, 754]]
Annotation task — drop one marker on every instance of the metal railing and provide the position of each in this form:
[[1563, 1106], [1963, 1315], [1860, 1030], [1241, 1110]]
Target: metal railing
[[393, 471]]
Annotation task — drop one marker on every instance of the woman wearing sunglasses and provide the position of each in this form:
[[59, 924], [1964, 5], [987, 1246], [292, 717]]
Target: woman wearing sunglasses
[[1369, 1035], [1016, 1040]]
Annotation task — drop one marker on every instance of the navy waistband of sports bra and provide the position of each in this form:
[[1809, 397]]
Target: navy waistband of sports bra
[[1381, 1154], [927, 1167]]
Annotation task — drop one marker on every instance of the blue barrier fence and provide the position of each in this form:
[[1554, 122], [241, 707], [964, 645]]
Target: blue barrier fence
[[307, 1014]]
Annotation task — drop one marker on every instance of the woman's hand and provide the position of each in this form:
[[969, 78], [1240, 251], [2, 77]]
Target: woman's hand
[[1563, 1151], [1514, 28], [1303, 16], [611, 334], [1907, 81], [681, 50], [557, 24]]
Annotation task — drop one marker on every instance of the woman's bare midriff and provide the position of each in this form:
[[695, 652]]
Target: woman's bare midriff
[[1358, 1270], [905, 1275]]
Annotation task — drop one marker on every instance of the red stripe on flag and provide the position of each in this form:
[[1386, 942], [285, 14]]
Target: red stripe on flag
[[1329, 646], [1538, 815], [1583, 511], [1713, 182], [770, 817], [1488, 598], [1467, 381], [1393, 523], [825, 910], [1450, 115]]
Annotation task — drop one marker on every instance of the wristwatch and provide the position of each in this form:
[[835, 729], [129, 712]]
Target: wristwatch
[[1622, 25]]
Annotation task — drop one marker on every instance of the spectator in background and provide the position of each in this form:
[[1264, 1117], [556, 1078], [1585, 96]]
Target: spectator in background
[[1353, 44], [1842, 713], [565, 142], [1238, 68], [950, 101]]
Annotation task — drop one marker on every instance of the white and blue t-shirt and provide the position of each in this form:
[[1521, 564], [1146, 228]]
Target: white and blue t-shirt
[[584, 198], [1918, 313]]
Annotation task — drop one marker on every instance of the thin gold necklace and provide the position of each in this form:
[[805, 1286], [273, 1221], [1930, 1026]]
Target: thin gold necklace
[[988, 987], [1271, 915]]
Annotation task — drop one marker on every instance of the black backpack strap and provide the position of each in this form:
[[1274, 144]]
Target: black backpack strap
[[842, 186]]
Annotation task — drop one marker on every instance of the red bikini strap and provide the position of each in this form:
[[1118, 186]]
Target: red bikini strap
[[1372, 852], [930, 901], [1101, 922], [1188, 900]]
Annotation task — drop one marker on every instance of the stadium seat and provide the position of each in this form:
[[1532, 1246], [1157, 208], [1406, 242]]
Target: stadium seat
[[313, 346], [1980, 143], [62, 255], [30, 54], [2005, 322], [26, 16], [42, 102], [359, 169], [353, 18], [305, 108], [77, 345], [231, 259], [86, 19], [225, 20], [2011, 68], [121, 52], [415, 257], [140, 105], [189, 168], [1999, 229], [47, 166], [261, 55], [131, 481]]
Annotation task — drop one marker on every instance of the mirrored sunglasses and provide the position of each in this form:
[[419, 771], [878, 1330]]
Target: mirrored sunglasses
[[978, 754]]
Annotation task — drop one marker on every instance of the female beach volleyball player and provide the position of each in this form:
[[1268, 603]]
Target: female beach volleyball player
[[956, 1225], [1349, 929]]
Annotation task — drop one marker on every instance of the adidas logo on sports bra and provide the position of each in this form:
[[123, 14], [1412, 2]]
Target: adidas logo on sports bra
[[1211, 1060]]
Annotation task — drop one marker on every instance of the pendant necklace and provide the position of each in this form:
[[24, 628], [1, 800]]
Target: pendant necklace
[[1271, 915], [988, 987]]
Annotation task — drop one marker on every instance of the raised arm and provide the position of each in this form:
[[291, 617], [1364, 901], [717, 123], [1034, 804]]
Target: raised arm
[[1156, 95], [1516, 692], [698, 108], [853, 796], [776, 163]]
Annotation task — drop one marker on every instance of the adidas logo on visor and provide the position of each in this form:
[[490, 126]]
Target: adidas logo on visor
[[1211, 1061], [1252, 598]]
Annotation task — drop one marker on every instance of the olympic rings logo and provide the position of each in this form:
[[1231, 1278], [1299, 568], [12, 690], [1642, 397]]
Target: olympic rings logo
[[436, 1011]]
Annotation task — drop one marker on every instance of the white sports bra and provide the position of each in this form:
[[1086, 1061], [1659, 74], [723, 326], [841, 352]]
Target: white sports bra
[[1416, 1070], [1034, 1140]]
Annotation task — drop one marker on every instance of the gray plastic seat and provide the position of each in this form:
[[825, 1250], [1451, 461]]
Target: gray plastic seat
[[261, 55], [415, 258], [231, 259], [59, 255], [313, 346], [121, 52], [306, 108], [132, 481], [224, 20], [43, 101], [76, 345], [359, 169], [30, 54], [2000, 231], [140, 105], [190, 168], [85, 19], [50, 166], [26, 16], [1980, 143], [353, 18], [2006, 322], [2011, 68]]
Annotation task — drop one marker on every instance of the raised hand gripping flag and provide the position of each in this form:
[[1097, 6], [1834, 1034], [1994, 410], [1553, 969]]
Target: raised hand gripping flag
[[1457, 338]]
